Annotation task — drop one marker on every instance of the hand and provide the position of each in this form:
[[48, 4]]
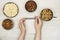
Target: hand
[[22, 26], [38, 23]]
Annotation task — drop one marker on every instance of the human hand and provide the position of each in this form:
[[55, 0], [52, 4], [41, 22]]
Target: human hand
[[38, 23], [22, 26]]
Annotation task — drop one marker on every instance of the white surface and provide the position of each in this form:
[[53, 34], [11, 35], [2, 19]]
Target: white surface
[[51, 29]]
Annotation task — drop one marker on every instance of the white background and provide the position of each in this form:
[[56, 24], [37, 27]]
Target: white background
[[50, 30]]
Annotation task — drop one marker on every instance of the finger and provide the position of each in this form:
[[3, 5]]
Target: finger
[[39, 19], [21, 22]]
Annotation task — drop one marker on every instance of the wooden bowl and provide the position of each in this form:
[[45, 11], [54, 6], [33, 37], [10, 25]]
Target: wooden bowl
[[10, 9], [46, 14], [7, 24], [30, 6]]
